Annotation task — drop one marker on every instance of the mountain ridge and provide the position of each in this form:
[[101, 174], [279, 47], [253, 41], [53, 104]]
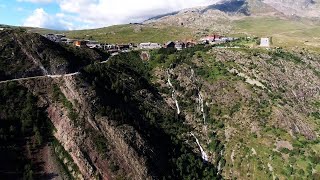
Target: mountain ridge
[[257, 7]]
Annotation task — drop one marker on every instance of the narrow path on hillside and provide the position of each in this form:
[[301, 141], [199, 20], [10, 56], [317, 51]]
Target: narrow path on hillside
[[39, 77], [52, 76]]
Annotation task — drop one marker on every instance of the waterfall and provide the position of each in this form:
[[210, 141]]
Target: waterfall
[[203, 154], [173, 95], [201, 107], [192, 75]]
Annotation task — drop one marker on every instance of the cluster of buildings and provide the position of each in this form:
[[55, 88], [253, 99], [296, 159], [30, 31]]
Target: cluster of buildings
[[216, 39], [114, 48], [179, 45], [61, 38]]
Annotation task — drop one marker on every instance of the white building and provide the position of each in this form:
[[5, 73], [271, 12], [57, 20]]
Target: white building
[[94, 44], [55, 37], [265, 42], [149, 45]]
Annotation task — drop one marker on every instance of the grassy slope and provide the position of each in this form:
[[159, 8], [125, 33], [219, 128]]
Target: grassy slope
[[285, 33], [132, 33]]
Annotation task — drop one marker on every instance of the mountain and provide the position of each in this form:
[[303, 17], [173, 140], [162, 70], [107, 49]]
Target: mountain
[[227, 111], [230, 9], [250, 18], [107, 121], [303, 8], [199, 113]]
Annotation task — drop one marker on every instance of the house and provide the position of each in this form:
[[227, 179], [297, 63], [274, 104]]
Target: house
[[265, 42], [112, 51], [149, 45], [67, 40], [207, 39], [1, 29], [109, 46], [180, 45], [123, 47], [132, 46], [51, 37], [210, 39], [190, 44], [59, 37], [54, 37], [80, 43], [94, 44], [64, 40], [170, 44]]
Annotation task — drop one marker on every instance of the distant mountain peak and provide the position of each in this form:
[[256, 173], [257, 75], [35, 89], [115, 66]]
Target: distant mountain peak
[[231, 6]]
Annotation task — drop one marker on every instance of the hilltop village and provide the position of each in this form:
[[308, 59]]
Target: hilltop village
[[115, 48]]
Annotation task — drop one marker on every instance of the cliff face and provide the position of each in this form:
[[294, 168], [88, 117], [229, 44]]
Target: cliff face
[[110, 125]]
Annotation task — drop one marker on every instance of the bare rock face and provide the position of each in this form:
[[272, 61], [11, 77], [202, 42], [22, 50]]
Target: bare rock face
[[77, 137], [303, 8], [217, 17], [196, 18]]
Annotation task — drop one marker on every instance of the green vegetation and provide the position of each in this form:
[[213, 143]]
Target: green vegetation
[[286, 56], [58, 96], [166, 58], [22, 55], [117, 84], [133, 34], [285, 33], [237, 113], [23, 128], [65, 160]]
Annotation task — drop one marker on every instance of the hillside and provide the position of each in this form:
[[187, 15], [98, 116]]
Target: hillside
[[107, 122], [227, 111], [290, 23], [252, 18], [200, 113], [25, 54], [253, 112], [258, 108]]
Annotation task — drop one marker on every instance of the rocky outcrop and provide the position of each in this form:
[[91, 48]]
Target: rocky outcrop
[[74, 136]]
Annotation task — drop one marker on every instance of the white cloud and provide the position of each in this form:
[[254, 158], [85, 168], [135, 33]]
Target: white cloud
[[108, 12], [40, 18], [100, 13], [36, 1]]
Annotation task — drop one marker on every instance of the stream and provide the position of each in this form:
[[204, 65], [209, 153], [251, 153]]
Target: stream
[[203, 154], [173, 93]]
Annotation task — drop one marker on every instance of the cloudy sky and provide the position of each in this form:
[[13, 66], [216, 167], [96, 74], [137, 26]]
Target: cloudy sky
[[82, 14]]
